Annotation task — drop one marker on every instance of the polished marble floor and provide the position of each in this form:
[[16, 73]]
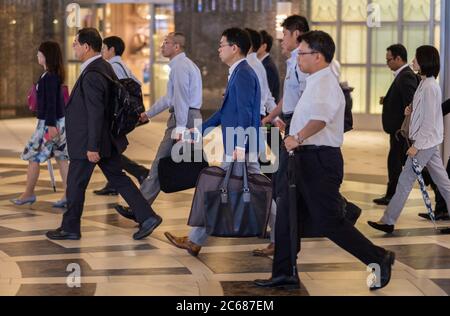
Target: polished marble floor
[[112, 263]]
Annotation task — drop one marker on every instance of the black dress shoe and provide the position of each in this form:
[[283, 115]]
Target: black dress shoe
[[437, 217], [147, 227], [106, 191], [388, 229], [281, 282], [125, 212], [60, 234], [385, 271], [382, 201]]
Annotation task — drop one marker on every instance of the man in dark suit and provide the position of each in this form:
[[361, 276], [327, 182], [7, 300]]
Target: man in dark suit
[[398, 97], [273, 76], [90, 142]]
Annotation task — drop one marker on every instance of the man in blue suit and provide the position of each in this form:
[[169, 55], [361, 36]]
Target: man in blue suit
[[240, 112]]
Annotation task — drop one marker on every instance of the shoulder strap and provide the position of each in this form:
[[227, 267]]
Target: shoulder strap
[[123, 68], [96, 71]]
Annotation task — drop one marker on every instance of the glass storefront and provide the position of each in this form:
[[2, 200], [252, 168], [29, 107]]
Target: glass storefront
[[361, 50], [142, 26]]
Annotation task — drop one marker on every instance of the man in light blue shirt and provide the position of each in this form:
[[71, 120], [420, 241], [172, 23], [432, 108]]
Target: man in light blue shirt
[[183, 100]]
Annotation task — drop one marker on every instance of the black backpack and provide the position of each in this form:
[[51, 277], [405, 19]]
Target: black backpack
[[348, 117], [126, 103]]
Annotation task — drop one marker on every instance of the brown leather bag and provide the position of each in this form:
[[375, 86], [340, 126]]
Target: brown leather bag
[[404, 129]]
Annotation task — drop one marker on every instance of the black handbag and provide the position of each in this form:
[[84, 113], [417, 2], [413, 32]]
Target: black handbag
[[179, 176], [237, 213]]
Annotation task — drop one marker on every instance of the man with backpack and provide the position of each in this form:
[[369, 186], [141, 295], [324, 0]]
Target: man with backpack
[[183, 100], [112, 50], [90, 141]]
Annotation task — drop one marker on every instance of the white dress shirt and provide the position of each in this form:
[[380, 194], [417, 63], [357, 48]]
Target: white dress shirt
[[267, 100], [426, 127], [322, 100], [396, 73], [264, 57], [233, 67], [294, 84], [184, 91], [87, 62], [121, 70]]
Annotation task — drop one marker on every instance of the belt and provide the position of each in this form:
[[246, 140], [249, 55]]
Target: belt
[[288, 116], [172, 110], [314, 148]]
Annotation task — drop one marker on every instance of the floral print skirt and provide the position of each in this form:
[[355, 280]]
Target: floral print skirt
[[39, 149]]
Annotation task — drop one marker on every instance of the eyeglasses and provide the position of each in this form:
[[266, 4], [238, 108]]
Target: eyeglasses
[[307, 53], [388, 60], [222, 45]]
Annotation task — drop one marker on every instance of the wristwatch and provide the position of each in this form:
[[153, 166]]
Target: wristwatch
[[299, 139]]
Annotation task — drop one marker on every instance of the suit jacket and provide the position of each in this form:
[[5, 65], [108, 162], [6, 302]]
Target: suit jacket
[[240, 107], [273, 77], [398, 97], [88, 114], [50, 100]]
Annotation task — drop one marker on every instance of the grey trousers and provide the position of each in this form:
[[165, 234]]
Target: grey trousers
[[198, 235], [150, 188], [430, 158]]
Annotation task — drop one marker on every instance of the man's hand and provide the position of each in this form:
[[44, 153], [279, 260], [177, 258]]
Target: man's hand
[[412, 152], [291, 143], [144, 118], [280, 124], [53, 132], [93, 156], [239, 154], [266, 120]]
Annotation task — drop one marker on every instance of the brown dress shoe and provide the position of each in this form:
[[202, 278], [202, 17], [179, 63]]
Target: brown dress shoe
[[184, 243], [266, 252]]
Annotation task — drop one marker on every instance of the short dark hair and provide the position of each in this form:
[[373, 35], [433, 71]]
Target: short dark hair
[[116, 42], [266, 39], [255, 38], [296, 23], [398, 50], [91, 37], [429, 61], [321, 42], [238, 37], [53, 58]]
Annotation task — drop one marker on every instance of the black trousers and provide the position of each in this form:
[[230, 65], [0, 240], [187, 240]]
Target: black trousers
[[279, 179], [396, 161], [319, 174], [441, 206], [80, 172], [136, 170]]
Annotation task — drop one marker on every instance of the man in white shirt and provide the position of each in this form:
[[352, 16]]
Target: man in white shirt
[[183, 100], [316, 135], [267, 100], [273, 75], [112, 50], [294, 85]]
